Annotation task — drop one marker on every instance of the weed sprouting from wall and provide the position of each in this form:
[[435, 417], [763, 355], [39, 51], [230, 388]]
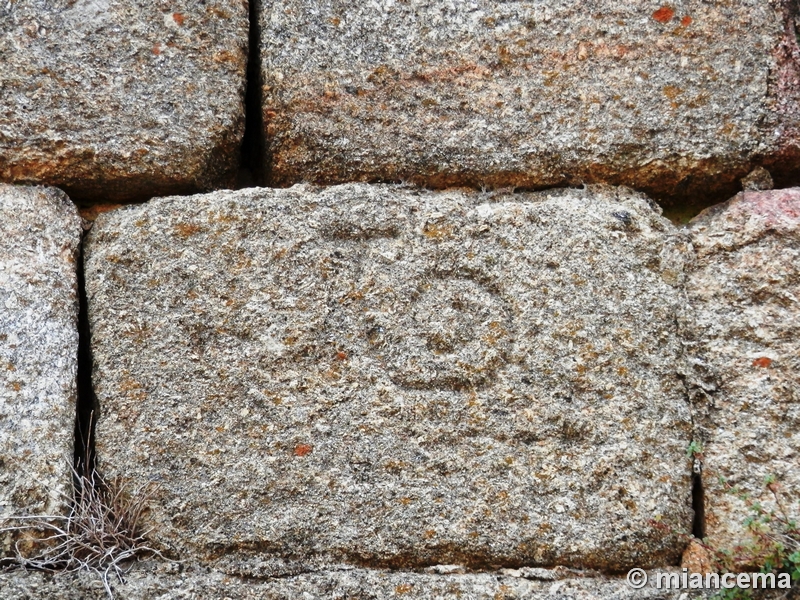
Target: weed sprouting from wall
[[102, 534]]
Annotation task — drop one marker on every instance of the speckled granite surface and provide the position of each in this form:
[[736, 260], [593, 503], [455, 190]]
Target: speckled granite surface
[[122, 99], [39, 235], [392, 377], [675, 99]]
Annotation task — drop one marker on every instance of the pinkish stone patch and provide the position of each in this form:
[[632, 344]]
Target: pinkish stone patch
[[746, 217], [744, 335]]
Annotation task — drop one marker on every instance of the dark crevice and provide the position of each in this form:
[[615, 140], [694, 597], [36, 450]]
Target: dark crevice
[[698, 504], [84, 453], [251, 172]]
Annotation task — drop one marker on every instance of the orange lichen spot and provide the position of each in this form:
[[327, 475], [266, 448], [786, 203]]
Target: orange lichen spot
[[672, 91], [186, 230], [664, 14], [429, 533], [129, 385], [157, 49], [699, 101], [497, 331], [403, 588], [303, 449], [763, 362], [686, 21], [727, 128], [218, 12], [336, 21], [15, 385], [10, 367], [437, 231], [226, 57], [549, 77], [341, 355], [620, 50], [405, 501], [504, 55], [178, 18]]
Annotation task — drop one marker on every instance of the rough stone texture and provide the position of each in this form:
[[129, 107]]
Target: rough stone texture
[[679, 100], [39, 235], [358, 584], [745, 332], [122, 99], [757, 180], [391, 377]]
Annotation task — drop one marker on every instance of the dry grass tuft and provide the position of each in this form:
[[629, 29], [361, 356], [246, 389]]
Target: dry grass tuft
[[101, 535]]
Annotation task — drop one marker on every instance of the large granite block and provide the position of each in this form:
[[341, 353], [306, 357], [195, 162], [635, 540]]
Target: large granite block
[[676, 99], [392, 377], [39, 235], [122, 99], [744, 295]]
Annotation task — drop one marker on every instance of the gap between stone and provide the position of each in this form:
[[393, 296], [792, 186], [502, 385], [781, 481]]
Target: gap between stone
[[84, 452], [251, 166], [698, 504]]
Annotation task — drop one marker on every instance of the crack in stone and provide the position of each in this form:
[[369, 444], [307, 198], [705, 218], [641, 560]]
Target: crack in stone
[[84, 452]]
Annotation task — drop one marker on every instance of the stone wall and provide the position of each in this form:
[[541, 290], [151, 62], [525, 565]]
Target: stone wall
[[379, 300]]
